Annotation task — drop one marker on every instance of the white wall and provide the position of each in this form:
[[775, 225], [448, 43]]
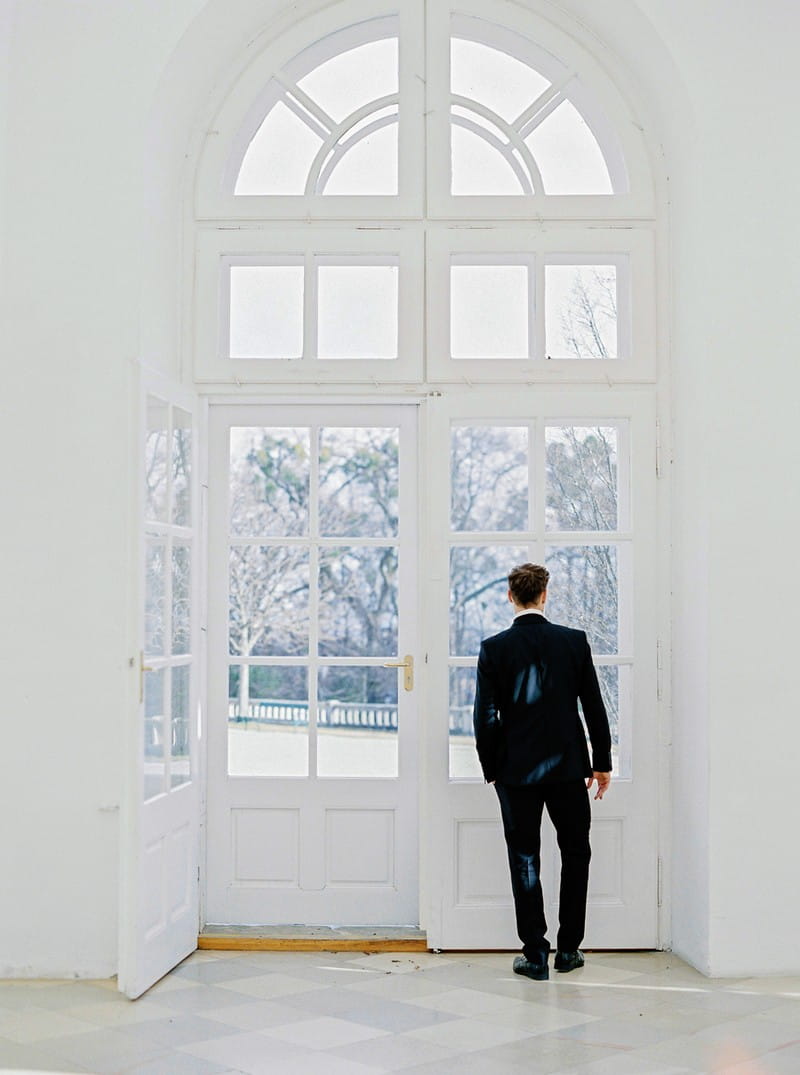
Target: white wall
[[101, 98]]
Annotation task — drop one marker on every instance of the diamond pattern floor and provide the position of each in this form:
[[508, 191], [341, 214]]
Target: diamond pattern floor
[[276, 1013]]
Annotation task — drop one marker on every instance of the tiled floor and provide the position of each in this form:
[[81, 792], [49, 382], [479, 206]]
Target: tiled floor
[[346, 1014]]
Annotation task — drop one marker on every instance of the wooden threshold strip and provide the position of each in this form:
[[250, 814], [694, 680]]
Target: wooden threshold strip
[[229, 943]]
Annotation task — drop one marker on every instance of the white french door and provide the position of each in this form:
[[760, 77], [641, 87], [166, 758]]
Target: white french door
[[312, 643], [567, 479], [159, 914]]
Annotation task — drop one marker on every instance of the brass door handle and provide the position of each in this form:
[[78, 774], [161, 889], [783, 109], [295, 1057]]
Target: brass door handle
[[407, 664]]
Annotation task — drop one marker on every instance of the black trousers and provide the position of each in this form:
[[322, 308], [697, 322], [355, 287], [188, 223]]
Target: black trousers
[[569, 810]]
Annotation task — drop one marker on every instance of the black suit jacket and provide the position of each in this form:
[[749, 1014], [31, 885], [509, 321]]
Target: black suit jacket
[[527, 726]]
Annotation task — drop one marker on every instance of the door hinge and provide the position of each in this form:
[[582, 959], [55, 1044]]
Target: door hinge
[[659, 881], [658, 449]]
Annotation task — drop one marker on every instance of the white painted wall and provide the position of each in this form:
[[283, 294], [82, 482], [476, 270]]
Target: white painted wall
[[101, 97]]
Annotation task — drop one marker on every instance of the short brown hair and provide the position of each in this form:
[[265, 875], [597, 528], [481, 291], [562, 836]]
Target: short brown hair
[[527, 583]]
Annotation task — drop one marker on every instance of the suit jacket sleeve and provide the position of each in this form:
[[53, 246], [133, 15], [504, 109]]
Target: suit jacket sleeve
[[594, 712], [486, 717]]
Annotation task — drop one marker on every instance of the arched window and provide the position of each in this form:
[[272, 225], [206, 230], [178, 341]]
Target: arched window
[[439, 136], [415, 205]]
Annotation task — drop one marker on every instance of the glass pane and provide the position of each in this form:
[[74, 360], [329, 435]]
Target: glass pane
[[615, 683], [354, 78], [154, 727], [567, 154], [181, 590], [583, 592], [154, 599], [580, 311], [181, 467], [280, 155], [267, 721], [268, 601], [358, 482], [368, 166], [266, 311], [493, 78], [357, 722], [464, 764], [489, 478], [479, 167], [180, 769], [489, 311], [357, 311], [479, 604], [358, 602], [155, 460], [269, 482], [581, 465]]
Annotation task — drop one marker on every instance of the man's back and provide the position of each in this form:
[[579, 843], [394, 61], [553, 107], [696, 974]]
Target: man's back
[[527, 724]]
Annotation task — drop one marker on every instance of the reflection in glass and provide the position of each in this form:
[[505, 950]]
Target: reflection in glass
[[155, 460], [464, 764], [581, 467], [266, 311], [181, 467], [479, 604], [489, 311], [583, 592], [181, 589], [357, 722], [357, 311], [180, 768], [269, 481], [580, 311], [358, 482], [267, 721], [489, 478], [154, 727], [268, 600], [154, 599], [358, 601]]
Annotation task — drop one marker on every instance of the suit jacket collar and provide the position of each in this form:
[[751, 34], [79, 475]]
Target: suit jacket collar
[[529, 618]]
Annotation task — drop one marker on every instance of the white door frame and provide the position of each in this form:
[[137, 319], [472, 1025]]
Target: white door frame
[[159, 846], [469, 904], [217, 906]]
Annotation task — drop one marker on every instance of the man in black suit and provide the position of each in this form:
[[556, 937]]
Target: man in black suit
[[532, 747]]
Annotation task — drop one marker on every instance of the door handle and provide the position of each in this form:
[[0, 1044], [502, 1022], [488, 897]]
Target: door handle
[[407, 664]]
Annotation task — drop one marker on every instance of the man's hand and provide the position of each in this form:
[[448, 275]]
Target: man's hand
[[603, 780]]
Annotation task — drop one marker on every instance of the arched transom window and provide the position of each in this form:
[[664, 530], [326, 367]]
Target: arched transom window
[[422, 198]]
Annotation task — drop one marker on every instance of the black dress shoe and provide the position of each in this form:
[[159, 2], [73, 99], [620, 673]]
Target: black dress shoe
[[566, 961], [540, 972]]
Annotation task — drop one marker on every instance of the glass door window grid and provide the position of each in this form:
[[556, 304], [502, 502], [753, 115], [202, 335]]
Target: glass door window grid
[[325, 305], [315, 545], [506, 511], [540, 305], [167, 657]]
